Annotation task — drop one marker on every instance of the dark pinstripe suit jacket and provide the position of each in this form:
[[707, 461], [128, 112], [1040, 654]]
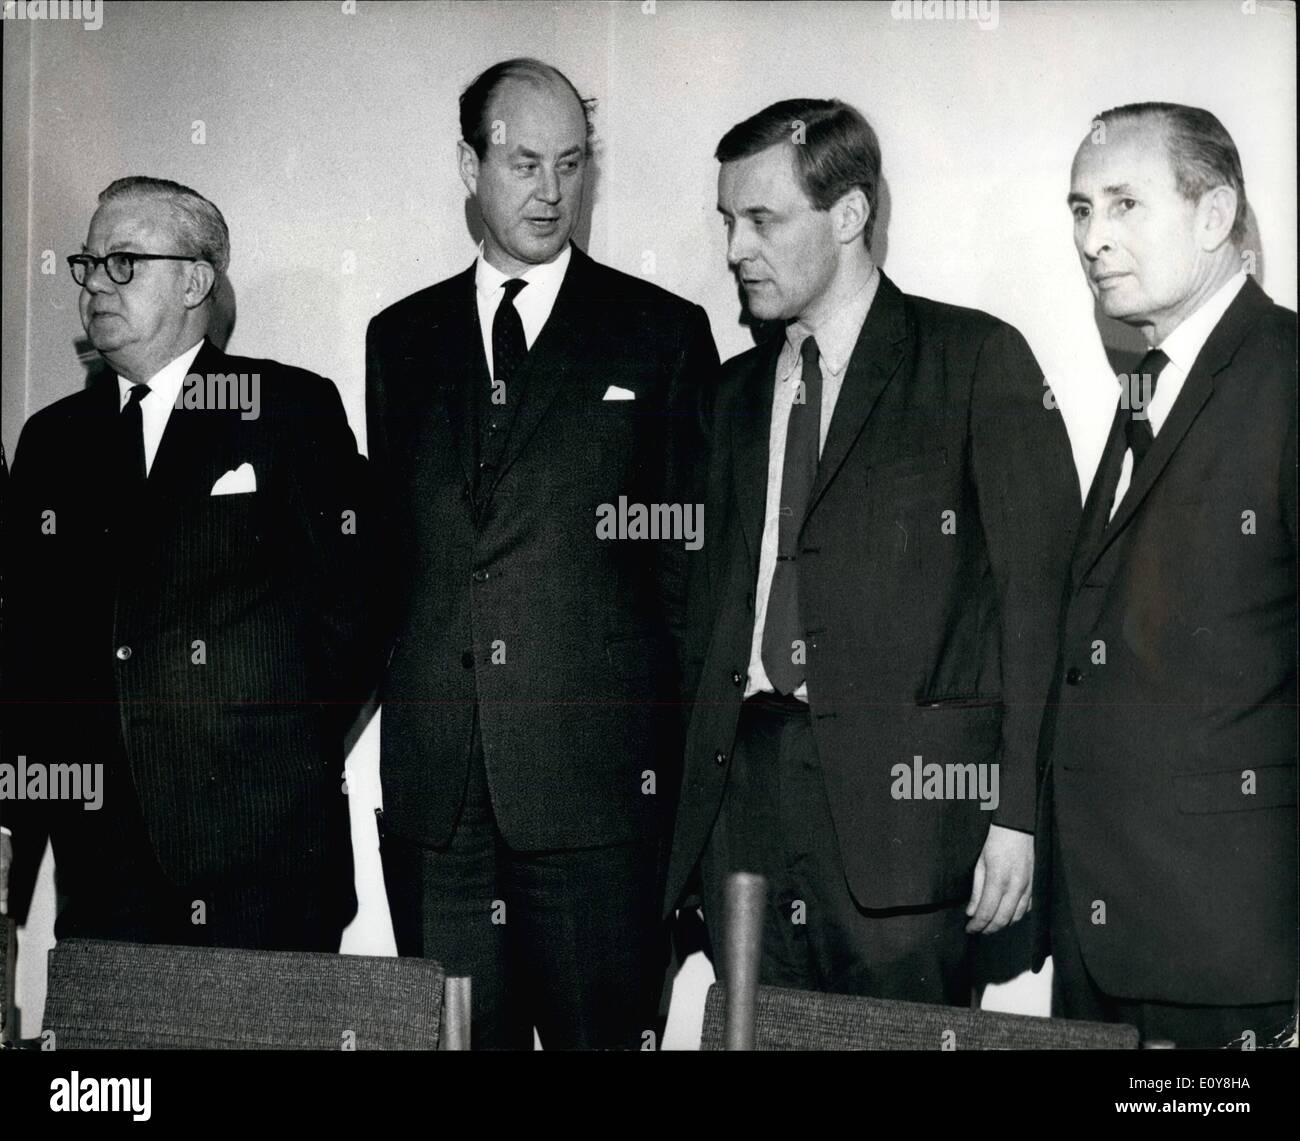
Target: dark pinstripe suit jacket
[[237, 762], [587, 697]]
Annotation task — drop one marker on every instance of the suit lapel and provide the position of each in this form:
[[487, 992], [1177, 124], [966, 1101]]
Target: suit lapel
[[750, 429], [463, 369], [183, 461], [555, 353], [1100, 496], [1214, 357], [875, 359]]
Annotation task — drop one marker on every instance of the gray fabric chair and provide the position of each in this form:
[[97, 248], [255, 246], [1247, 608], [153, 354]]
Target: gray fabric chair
[[804, 1020], [108, 995]]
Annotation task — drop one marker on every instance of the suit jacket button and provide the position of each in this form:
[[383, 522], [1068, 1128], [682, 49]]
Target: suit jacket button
[[737, 677], [123, 652], [719, 758], [481, 576], [1073, 675], [467, 659]]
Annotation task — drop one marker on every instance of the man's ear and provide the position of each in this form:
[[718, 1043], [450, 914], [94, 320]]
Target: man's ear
[[467, 163], [850, 214], [1215, 214], [200, 283]]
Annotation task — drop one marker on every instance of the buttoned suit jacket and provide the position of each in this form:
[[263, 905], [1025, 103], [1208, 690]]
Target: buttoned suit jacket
[[220, 641], [512, 609], [932, 557], [1169, 759]]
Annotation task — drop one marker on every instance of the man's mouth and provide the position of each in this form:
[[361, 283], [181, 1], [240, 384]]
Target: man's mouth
[[1102, 280]]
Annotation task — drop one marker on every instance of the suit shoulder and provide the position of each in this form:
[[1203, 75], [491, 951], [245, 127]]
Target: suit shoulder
[[1279, 323], [617, 286], [940, 316], [416, 307], [742, 363], [1268, 353], [284, 385], [63, 412]]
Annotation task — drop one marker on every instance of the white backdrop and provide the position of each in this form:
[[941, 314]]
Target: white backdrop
[[328, 141]]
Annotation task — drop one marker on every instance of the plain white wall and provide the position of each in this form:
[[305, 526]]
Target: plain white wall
[[329, 144]]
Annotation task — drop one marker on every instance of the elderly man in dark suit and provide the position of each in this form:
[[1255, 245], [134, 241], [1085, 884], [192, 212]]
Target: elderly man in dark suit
[[183, 612], [532, 718], [1169, 813], [892, 502]]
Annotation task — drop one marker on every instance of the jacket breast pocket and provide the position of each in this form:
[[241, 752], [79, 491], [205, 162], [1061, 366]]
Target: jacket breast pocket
[[1239, 789]]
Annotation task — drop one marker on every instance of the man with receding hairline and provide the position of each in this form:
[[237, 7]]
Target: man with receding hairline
[[532, 720], [185, 593], [893, 501], [1167, 827]]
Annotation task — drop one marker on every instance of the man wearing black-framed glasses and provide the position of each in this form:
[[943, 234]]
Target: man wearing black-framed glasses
[[187, 589], [120, 264]]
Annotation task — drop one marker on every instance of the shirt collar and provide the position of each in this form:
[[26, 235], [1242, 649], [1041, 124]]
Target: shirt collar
[[167, 381], [545, 277], [838, 333], [1184, 344]]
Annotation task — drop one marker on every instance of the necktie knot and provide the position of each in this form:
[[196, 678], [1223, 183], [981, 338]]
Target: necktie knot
[[511, 288], [135, 394], [809, 352], [1152, 365], [1138, 433]]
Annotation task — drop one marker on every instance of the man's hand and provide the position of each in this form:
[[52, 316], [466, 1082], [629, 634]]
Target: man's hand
[[1004, 877]]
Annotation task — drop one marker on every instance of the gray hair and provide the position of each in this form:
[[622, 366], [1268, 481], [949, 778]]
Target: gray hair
[[199, 224], [1201, 151]]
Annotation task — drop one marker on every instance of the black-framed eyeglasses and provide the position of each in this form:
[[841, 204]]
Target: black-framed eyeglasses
[[120, 265]]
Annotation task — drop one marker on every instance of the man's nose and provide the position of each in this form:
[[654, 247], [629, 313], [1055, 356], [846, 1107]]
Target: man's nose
[[739, 246], [98, 281], [1096, 238], [548, 187]]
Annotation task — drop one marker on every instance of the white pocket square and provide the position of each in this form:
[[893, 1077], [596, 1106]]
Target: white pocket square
[[237, 481], [613, 392]]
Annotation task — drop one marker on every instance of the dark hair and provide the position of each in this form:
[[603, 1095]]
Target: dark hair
[[835, 148], [1201, 151], [199, 224], [475, 98]]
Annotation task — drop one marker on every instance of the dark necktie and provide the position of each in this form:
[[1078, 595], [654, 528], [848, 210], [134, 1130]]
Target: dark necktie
[[508, 344], [782, 626], [1137, 432], [508, 351], [130, 432]]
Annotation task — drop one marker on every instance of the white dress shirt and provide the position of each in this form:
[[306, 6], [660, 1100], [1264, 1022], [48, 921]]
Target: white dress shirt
[[156, 408], [1182, 347], [534, 303], [836, 337]]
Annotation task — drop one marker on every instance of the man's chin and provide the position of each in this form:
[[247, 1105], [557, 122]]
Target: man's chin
[[764, 310], [537, 249], [105, 345]]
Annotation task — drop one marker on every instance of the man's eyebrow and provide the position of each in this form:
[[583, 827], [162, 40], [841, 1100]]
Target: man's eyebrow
[[1075, 196], [1120, 188], [524, 152]]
